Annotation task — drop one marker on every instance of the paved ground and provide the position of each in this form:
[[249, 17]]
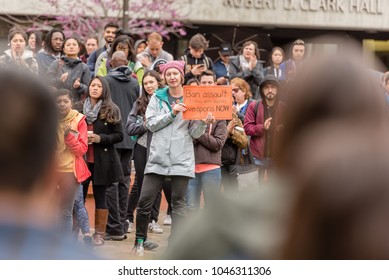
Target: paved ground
[[121, 250]]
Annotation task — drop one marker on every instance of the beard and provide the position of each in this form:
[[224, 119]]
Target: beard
[[270, 96]]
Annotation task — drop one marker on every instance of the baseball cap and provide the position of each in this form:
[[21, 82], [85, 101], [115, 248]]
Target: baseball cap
[[225, 49]]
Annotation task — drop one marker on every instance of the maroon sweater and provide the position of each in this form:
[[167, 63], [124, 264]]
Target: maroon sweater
[[254, 127]]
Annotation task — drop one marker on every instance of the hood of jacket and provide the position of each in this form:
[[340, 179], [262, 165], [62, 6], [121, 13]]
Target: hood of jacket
[[71, 62], [157, 62], [272, 80], [121, 73], [138, 42], [162, 95]]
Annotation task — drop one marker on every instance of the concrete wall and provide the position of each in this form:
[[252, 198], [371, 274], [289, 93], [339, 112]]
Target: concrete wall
[[24, 7], [324, 14], [370, 15]]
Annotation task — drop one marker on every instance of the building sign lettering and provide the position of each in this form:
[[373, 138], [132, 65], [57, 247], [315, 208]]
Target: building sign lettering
[[371, 7]]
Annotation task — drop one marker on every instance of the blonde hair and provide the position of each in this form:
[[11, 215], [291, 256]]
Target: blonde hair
[[154, 36]]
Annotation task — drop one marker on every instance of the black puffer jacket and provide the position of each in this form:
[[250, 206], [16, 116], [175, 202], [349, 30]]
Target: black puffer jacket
[[125, 91], [190, 61]]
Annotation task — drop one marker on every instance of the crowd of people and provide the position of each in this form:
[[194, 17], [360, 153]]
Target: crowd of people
[[123, 103]]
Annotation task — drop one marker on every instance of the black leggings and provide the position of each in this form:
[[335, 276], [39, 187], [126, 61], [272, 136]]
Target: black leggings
[[151, 185], [140, 161], [98, 190]]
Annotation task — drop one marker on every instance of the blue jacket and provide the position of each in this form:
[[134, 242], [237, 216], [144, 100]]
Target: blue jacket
[[91, 62], [220, 69]]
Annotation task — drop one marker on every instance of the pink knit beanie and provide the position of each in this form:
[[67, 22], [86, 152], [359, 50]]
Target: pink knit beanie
[[178, 64]]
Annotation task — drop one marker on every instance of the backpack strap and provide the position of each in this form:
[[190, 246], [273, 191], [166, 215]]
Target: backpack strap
[[185, 59], [206, 62], [256, 109]]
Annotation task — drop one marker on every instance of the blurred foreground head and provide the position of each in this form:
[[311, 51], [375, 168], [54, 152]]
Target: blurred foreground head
[[335, 154], [28, 122]]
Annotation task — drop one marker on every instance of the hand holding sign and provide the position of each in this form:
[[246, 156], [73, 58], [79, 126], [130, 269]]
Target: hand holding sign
[[178, 107], [209, 119]]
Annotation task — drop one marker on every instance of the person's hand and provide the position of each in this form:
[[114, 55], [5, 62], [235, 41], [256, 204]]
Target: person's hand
[[253, 62], [198, 69], [209, 119], [267, 123], [230, 127], [177, 108], [18, 57], [145, 60], [77, 83], [234, 110], [94, 138], [67, 128], [64, 76]]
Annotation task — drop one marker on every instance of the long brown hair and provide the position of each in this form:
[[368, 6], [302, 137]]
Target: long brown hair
[[109, 111], [144, 98]]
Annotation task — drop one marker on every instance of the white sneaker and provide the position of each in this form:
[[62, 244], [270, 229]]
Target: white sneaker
[[167, 221], [129, 230], [155, 228]]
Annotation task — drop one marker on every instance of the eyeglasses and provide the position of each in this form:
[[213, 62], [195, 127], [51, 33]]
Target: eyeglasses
[[235, 90]]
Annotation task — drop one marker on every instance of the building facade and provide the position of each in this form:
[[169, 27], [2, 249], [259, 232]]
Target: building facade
[[269, 22]]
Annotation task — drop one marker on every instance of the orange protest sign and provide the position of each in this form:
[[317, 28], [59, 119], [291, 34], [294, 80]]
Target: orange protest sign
[[200, 100]]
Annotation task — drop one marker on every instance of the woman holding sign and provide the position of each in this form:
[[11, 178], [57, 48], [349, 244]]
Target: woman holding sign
[[171, 150]]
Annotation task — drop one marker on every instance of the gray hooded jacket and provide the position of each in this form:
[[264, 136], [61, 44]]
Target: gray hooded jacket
[[171, 149]]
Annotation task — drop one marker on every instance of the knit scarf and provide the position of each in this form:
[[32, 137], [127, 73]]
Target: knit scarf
[[91, 112], [243, 63]]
